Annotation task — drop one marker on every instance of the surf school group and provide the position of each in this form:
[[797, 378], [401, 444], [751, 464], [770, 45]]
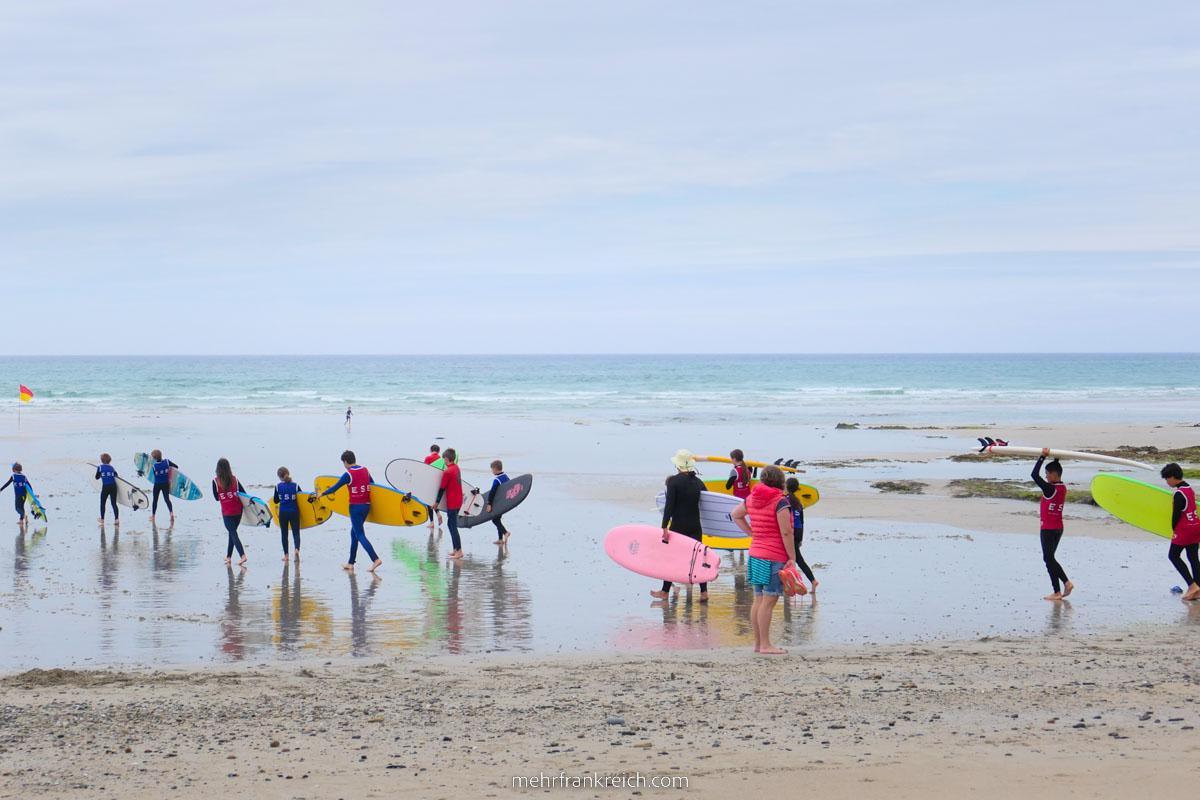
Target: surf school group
[[760, 508], [419, 492]]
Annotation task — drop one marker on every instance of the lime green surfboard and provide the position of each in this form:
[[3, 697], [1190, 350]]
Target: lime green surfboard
[[1141, 504]]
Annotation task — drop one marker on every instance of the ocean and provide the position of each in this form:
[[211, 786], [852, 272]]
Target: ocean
[[1012, 388]]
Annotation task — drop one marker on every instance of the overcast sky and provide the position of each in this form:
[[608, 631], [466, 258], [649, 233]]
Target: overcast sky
[[232, 177]]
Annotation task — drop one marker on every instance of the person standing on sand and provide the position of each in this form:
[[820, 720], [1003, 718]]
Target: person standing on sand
[[106, 473], [435, 452], [681, 510], [790, 488], [739, 476], [452, 489], [1186, 524], [161, 470], [359, 481], [498, 478], [349, 413], [20, 485], [289, 509], [225, 488], [771, 550], [1054, 497]]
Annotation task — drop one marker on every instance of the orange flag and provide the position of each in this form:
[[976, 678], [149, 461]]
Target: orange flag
[[26, 395]]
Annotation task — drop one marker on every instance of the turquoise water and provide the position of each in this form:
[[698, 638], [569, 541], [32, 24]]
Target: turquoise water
[[929, 388]]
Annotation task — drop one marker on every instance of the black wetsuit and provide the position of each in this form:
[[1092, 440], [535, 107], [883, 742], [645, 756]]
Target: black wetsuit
[[108, 490], [798, 539], [681, 512], [1050, 536], [1193, 550]]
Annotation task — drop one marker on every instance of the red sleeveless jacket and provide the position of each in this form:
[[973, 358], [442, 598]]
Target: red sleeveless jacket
[[767, 539]]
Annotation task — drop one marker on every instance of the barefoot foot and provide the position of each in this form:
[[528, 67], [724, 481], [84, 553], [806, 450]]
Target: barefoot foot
[[378, 563], [243, 561], [1068, 587], [1055, 596], [772, 650], [704, 597], [348, 567], [658, 594]]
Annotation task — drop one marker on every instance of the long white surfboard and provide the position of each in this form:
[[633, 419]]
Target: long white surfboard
[[714, 514], [127, 493], [1003, 449]]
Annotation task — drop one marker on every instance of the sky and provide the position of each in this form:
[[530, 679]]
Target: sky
[[562, 177]]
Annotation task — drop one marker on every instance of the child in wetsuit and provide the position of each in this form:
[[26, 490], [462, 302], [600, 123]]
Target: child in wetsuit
[[106, 473], [161, 472], [19, 483], [289, 509], [1186, 524], [1054, 497], [792, 486], [739, 477], [498, 478]]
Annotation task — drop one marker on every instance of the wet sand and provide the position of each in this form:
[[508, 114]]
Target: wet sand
[[1098, 716]]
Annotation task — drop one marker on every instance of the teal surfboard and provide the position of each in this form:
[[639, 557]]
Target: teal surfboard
[[179, 485]]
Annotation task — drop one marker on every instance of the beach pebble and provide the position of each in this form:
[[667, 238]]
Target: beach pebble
[[615, 721]]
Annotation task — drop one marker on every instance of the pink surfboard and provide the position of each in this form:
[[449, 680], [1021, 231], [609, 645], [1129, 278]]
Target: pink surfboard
[[640, 548]]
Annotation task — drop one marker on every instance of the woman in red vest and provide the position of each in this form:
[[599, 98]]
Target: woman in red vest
[[1186, 524], [771, 549], [225, 488]]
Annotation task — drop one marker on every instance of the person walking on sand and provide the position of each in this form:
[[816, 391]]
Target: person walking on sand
[[790, 488], [435, 452], [359, 481], [106, 473], [739, 477], [161, 470], [349, 413], [289, 509], [1054, 497], [225, 488], [1186, 524], [20, 485], [771, 549], [498, 478], [681, 510], [451, 488]]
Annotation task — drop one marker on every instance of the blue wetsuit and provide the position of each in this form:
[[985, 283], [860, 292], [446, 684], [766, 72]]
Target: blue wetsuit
[[289, 513], [107, 475], [162, 484], [358, 520], [18, 482], [499, 479]]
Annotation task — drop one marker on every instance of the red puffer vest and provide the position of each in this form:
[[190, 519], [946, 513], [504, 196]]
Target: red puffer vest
[[767, 541]]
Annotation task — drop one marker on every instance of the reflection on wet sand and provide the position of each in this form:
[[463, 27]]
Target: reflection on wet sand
[[1058, 620], [233, 635]]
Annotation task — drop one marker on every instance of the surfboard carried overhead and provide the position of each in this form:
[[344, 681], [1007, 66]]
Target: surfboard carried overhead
[[787, 465], [127, 493], [1001, 448], [388, 506]]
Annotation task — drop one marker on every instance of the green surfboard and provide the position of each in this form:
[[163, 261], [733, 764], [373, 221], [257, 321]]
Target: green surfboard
[[1141, 504]]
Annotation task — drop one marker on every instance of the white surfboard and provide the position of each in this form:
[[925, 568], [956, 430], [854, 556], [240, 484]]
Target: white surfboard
[[127, 493], [423, 481], [255, 512], [714, 514], [1035, 452]]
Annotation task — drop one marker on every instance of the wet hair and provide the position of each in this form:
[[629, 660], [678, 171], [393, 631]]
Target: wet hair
[[737, 455], [497, 464], [790, 488], [224, 475], [105, 458], [156, 455], [772, 476], [433, 448], [450, 455], [1054, 466], [16, 466], [1172, 470], [348, 457], [284, 475]]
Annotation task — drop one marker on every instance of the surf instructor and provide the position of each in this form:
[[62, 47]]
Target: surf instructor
[[359, 481], [681, 510]]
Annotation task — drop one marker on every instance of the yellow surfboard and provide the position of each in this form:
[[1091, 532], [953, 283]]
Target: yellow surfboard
[[1141, 504], [808, 494], [751, 464], [312, 513], [723, 543], [388, 506]]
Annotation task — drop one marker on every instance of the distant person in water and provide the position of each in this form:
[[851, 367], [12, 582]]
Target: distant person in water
[[289, 509], [771, 549], [20, 485], [225, 488], [1054, 497], [451, 488], [1186, 524], [161, 472], [681, 510], [791, 487], [359, 481], [106, 473], [349, 413], [435, 452], [739, 477], [498, 478]]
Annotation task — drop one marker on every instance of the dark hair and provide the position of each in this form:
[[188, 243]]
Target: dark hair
[[348, 457], [1172, 470], [156, 455], [791, 487], [497, 464], [224, 475], [772, 476], [737, 455], [450, 455], [105, 458], [16, 466], [433, 448], [1054, 466], [284, 475]]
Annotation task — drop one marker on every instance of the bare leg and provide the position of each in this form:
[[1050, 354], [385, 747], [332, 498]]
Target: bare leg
[[754, 621], [765, 609], [1068, 587]]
